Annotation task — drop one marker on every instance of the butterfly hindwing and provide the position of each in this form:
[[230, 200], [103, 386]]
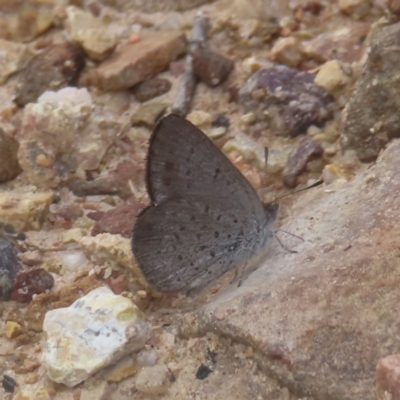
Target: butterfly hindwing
[[182, 245]]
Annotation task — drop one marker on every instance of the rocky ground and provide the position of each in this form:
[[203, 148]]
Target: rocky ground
[[82, 85]]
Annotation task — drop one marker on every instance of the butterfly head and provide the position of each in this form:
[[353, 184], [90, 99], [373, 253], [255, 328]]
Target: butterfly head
[[271, 210]]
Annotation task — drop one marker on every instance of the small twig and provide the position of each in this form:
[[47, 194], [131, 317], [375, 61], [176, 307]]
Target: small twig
[[187, 88]]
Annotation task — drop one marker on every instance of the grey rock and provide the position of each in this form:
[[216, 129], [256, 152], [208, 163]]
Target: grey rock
[[9, 166], [306, 151], [152, 88], [287, 99], [371, 118], [56, 67], [9, 266]]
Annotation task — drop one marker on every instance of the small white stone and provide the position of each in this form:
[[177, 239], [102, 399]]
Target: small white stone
[[146, 358], [68, 95], [153, 380], [72, 260], [94, 332]]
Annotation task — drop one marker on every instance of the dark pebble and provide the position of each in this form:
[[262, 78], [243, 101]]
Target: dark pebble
[[298, 159], [9, 167], [220, 120], [9, 267], [30, 282], [119, 220], [56, 67], [210, 67], [203, 372], [152, 88], [287, 99], [114, 183], [8, 384]]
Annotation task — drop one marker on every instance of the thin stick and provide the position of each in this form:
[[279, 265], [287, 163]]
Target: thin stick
[[188, 84]]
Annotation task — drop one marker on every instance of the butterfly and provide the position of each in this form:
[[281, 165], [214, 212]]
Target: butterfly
[[205, 218]]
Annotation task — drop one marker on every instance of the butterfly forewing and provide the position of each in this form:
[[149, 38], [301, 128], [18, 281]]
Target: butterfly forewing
[[183, 162]]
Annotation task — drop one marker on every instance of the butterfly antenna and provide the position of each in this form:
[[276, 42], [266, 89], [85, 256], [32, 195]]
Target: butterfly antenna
[[289, 233], [319, 182]]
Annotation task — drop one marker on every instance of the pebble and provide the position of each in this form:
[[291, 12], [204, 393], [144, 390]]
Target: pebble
[[12, 329], [148, 114], [306, 151], [331, 76], [131, 64], [333, 172], [119, 284], [115, 182], [9, 166], [200, 118], [248, 119], [153, 380], [57, 66], [350, 40], [24, 211], [12, 58], [152, 88], [123, 369], [94, 332], [24, 20], [72, 260], [66, 130], [288, 51], [9, 267], [97, 39], [210, 67], [9, 384], [289, 100], [30, 282], [220, 120]]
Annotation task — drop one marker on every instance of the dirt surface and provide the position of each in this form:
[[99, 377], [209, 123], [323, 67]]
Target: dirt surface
[[83, 83]]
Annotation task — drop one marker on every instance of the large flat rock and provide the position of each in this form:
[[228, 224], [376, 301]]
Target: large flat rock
[[320, 320]]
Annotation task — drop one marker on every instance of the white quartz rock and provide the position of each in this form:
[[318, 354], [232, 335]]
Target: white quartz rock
[[94, 332]]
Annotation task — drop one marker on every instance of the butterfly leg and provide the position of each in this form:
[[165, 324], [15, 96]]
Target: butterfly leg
[[283, 246]]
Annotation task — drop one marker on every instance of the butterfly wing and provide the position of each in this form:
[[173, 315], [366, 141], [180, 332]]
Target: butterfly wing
[[182, 245], [184, 162], [205, 217]]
